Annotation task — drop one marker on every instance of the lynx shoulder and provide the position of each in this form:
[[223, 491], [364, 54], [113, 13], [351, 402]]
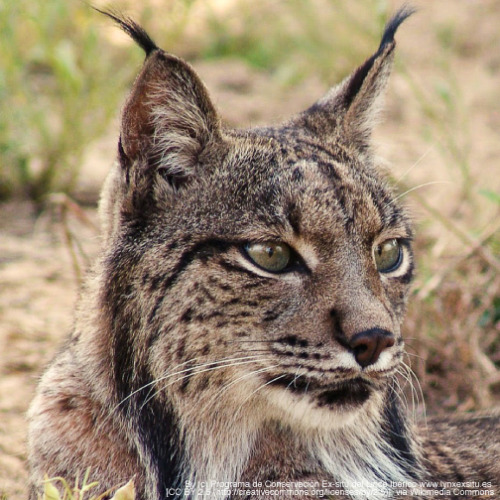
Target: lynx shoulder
[[241, 329]]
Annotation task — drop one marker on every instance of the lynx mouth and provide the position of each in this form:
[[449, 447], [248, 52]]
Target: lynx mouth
[[353, 392]]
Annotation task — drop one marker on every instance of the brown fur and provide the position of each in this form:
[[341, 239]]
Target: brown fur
[[189, 362]]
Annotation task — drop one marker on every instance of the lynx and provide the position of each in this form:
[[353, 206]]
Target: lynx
[[240, 334]]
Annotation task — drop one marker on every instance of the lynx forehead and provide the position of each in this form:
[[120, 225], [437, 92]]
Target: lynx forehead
[[243, 321]]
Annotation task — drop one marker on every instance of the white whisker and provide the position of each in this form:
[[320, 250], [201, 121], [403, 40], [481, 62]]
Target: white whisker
[[415, 164], [192, 373], [418, 187], [256, 390], [242, 377], [190, 369]]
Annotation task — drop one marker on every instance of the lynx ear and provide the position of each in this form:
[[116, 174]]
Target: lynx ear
[[348, 111], [168, 119]]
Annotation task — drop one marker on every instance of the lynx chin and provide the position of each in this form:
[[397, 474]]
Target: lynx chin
[[242, 323]]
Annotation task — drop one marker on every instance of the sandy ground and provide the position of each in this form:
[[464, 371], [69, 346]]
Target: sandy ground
[[38, 285]]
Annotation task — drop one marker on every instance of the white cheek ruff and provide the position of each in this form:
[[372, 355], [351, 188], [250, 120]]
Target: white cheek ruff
[[302, 411]]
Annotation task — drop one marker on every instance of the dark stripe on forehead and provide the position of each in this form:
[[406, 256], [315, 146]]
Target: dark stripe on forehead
[[337, 167], [389, 212], [328, 169], [347, 180], [318, 153], [392, 214], [396, 217], [293, 216]]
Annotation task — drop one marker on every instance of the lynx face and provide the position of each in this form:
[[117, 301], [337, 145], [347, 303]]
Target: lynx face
[[253, 269], [287, 293]]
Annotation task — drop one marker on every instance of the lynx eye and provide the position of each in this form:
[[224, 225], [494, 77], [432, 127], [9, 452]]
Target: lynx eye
[[270, 256], [388, 255]]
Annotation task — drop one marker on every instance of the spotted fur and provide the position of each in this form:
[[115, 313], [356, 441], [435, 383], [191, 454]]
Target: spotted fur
[[190, 363]]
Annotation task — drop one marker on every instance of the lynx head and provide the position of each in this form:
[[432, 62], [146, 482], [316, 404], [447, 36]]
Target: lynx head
[[259, 273]]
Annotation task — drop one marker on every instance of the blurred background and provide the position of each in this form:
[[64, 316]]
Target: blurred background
[[65, 71]]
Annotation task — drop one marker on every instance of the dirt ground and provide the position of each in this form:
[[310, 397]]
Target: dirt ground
[[38, 284]]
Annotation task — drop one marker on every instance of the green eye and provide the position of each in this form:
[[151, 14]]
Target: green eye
[[273, 257], [388, 255]]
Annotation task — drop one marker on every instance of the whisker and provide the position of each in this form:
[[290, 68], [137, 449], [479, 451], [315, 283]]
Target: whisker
[[252, 341], [401, 395], [257, 350], [407, 171], [295, 378], [416, 389], [256, 390], [414, 355], [155, 381], [418, 187], [419, 393], [202, 365], [242, 377], [188, 375], [210, 368], [145, 386]]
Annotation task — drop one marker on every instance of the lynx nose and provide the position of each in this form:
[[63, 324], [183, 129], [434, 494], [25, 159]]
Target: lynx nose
[[368, 345]]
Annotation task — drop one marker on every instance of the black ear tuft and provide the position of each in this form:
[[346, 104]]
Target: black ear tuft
[[168, 121], [387, 39], [392, 26], [129, 26], [350, 109]]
